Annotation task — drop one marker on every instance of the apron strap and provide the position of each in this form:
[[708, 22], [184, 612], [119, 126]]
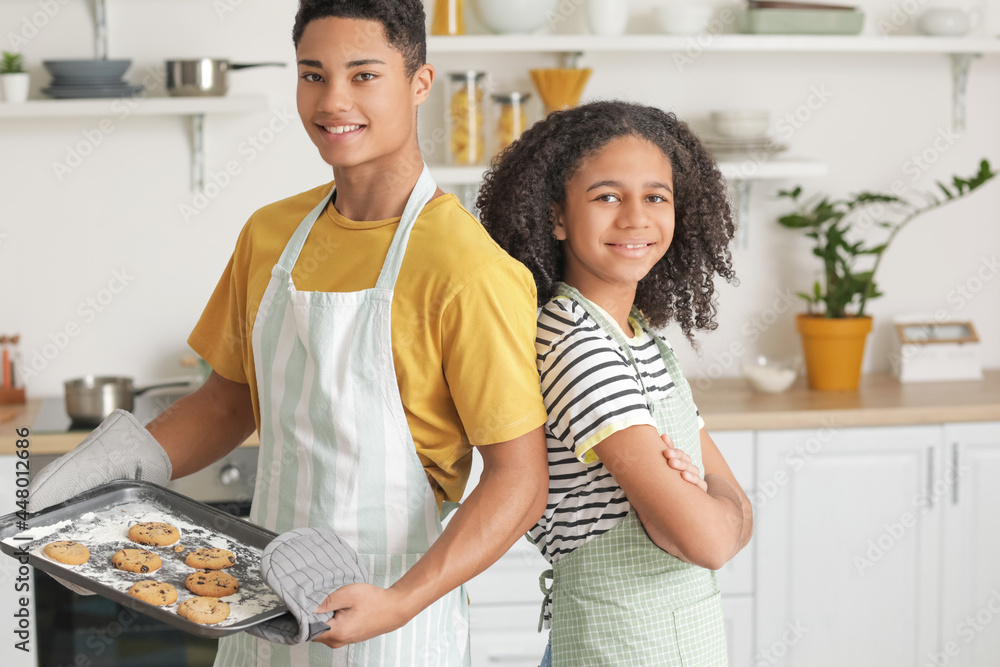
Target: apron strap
[[609, 327], [547, 590], [293, 248], [423, 192]]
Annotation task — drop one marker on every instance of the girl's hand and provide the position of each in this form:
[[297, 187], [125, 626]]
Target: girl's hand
[[679, 460]]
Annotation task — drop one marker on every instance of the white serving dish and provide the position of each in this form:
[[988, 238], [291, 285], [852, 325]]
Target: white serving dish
[[516, 16], [741, 123], [686, 19], [769, 377]]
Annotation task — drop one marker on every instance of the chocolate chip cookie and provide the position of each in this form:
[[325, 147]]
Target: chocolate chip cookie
[[212, 583], [204, 610], [154, 592], [154, 533], [210, 559], [136, 560], [67, 552]]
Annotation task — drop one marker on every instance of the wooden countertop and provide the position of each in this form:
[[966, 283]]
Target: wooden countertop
[[727, 404], [14, 417], [730, 404]]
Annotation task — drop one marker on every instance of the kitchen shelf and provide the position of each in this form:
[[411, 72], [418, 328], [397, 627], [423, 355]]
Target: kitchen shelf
[[747, 170], [707, 42], [140, 106], [119, 108], [961, 50]]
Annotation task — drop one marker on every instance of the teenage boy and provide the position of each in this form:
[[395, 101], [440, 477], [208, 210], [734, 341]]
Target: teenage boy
[[372, 333]]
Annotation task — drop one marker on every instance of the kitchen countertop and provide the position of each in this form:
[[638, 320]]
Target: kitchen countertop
[[726, 404], [729, 404], [47, 443]]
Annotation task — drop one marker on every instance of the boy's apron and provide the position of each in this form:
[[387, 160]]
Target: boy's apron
[[336, 451], [620, 599]]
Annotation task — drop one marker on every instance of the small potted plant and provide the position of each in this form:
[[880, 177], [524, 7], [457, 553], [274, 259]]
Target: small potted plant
[[835, 327], [13, 78]]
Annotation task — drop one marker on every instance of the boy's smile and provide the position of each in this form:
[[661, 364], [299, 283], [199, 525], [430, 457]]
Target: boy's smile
[[354, 96], [618, 219]]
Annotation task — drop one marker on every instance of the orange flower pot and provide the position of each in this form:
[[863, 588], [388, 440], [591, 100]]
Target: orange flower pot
[[834, 349]]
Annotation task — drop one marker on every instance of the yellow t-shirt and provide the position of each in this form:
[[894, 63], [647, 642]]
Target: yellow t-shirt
[[463, 321]]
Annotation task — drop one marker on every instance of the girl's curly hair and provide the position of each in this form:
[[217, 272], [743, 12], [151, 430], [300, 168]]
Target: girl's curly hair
[[517, 196]]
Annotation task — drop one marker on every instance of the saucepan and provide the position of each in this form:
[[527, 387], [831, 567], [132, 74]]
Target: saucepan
[[203, 76], [90, 399]]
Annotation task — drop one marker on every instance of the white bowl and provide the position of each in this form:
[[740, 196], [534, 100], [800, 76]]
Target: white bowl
[[769, 377], [516, 16], [683, 19], [944, 22], [741, 123]]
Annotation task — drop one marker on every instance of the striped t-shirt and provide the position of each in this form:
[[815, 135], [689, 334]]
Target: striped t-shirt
[[591, 390]]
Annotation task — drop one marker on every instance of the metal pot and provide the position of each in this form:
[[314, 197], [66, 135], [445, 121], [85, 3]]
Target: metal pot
[[90, 399], [203, 76]]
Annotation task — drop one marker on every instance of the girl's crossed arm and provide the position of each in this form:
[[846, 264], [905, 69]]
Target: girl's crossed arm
[[705, 529]]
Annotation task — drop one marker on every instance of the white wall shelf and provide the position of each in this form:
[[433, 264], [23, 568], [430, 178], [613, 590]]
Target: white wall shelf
[[735, 170], [961, 50], [142, 106], [121, 107], [710, 43]]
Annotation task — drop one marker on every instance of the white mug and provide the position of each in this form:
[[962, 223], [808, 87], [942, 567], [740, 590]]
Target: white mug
[[607, 17]]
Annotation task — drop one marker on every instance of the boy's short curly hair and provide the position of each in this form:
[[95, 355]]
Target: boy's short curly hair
[[517, 196], [402, 21]]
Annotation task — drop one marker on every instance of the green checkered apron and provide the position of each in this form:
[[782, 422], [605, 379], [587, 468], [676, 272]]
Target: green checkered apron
[[621, 600], [336, 452]]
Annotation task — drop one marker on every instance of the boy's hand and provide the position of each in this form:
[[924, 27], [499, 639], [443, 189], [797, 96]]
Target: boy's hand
[[362, 611], [679, 460]]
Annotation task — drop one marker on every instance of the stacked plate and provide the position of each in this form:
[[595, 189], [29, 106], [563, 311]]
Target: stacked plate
[[741, 131], [727, 146], [76, 79]]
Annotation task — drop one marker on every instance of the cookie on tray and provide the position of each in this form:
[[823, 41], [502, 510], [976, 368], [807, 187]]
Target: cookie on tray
[[67, 552], [154, 592], [212, 583], [210, 559], [136, 560], [204, 610], [154, 533]]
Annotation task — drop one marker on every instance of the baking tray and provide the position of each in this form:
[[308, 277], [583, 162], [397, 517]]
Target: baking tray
[[100, 518]]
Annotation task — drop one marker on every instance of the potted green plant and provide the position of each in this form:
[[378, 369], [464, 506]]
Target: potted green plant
[[13, 79], [836, 326]]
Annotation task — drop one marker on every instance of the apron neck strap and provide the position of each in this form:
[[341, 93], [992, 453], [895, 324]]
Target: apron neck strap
[[293, 248], [422, 193], [610, 327]]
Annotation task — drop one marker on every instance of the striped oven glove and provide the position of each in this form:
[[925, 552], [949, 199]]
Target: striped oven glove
[[303, 566]]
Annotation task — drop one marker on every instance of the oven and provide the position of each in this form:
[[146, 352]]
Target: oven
[[90, 630]]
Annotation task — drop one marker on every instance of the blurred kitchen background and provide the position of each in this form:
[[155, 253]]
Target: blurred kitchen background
[[71, 220]]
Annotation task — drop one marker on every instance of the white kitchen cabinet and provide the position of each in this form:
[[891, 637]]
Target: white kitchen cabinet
[[970, 497], [847, 546], [507, 635], [9, 596], [737, 448], [738, 612]]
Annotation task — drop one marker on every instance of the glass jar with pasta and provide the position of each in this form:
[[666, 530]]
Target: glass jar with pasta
[[465, 118], [511, 118]]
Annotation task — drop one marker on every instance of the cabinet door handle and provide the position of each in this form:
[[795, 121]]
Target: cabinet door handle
[[954, 473], [930, 477]]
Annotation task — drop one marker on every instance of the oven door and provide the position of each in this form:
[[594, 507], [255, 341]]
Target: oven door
[[91, 630]]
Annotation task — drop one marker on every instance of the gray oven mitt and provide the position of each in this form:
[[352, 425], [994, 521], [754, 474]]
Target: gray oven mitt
[[303, 566], [120, 448]]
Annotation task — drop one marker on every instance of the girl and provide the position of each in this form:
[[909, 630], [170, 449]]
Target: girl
[[621, 215]]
